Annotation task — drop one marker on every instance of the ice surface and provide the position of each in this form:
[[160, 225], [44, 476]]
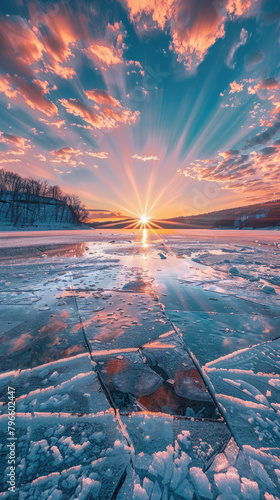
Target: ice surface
[[119, 359], [115, 320], [50, 444]]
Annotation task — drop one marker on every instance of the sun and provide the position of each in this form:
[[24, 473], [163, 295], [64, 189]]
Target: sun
[[144, 219]]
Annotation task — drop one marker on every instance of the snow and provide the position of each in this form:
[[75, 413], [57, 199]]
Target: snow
[[138, 376]]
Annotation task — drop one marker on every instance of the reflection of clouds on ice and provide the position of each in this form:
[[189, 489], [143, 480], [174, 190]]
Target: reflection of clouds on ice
[[106, 354]]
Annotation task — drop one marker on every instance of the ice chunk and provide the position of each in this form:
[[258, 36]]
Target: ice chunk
[[260, 472], [56, 495], [220, 462], [140, 382], [139, 493], [249, 489], [89, 487], [201, 483], [185, 490]]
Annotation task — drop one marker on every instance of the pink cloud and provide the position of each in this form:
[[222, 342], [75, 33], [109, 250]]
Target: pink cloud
[[12, 139], [242, 173], [145, 158], [66, 155], [55, 123], [102, 154], [269, 84]]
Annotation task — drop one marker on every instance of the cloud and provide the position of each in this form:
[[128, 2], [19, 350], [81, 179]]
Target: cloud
[[6, 88], [109, 51], [77, 108], [263, 137], [20, 47], [55, 123], [102, 97], [145, 158], [194, 25], [224, 171], [45, 40], [102, 154], [269, 84], [257, 171], [32, 93], [66, 155], [107, 118], [104, 214], [9, 160], [105, 53], [235, 87], [59, 28], [14, 140], [242, 41], [40, 157]]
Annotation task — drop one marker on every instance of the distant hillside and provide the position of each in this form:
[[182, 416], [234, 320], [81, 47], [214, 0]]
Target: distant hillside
[[32, 203], [255, 216]]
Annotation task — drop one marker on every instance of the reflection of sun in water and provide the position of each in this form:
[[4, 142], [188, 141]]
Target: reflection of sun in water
[[145, 238]]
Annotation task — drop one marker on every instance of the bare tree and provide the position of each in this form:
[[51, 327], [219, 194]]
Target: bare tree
[[25, 201]]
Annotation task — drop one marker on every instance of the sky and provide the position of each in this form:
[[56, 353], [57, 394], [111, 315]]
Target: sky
[[167, 106]]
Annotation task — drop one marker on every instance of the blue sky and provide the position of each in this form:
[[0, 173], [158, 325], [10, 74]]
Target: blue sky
[[173, 105]]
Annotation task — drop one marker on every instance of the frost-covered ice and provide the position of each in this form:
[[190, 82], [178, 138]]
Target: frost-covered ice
[[143, 368]]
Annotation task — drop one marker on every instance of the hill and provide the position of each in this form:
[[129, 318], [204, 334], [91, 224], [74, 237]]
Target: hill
[[26, 202], [255, 216]]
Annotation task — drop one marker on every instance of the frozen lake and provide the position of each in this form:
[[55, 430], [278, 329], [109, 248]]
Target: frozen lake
[[145, 365]]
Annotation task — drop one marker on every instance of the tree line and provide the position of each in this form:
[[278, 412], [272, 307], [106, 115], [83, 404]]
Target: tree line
[[26, 201]]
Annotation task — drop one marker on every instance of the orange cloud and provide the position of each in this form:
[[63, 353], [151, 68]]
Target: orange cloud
[[235, 87], [105, 53], [107, 118], [77, 108], [60, 29], [102, 97], [20, 47], [6, 88], [194, 25], [33, 95]]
